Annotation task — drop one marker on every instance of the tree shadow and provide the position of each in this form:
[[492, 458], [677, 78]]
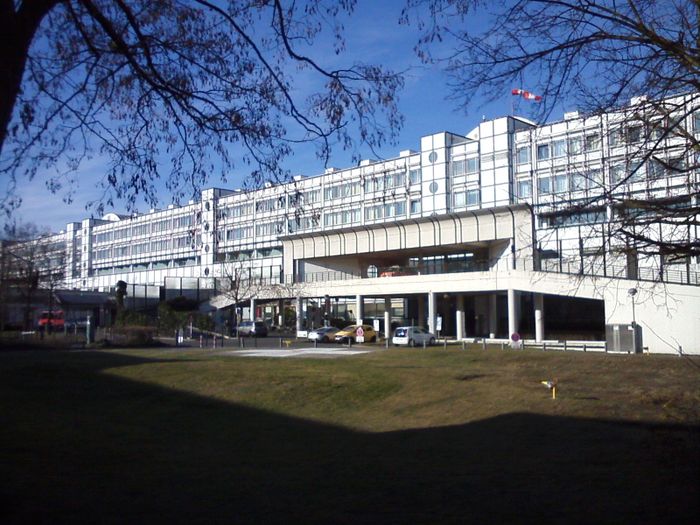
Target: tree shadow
[[106, 449]]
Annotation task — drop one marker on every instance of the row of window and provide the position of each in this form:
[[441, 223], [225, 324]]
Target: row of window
[[145, 228], [140, 248], [381, 211]]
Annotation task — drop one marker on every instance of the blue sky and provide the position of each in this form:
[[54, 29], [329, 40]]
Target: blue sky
[[373, 36]]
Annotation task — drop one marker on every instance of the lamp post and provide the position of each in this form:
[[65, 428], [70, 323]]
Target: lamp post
[[632, 292]]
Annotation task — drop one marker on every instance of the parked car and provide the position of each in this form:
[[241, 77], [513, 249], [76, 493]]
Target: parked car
[[324, 334], [54, 319], [349, 333], [412, 336], [252, 329]]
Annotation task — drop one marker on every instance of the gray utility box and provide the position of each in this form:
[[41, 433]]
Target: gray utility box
[[623, 338]]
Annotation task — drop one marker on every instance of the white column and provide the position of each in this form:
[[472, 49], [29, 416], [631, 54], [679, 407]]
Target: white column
[[539, 317], [252, 309], [493, 315], [512, 312], [299, 314], [460, 317], [280, 312], [431, 312], [359, 309], [387, 317]]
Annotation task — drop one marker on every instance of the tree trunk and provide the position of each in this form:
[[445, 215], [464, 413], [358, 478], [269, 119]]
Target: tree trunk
[[17, 28]]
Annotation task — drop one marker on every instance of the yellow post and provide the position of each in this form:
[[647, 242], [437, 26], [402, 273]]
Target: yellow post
[[554, 392]]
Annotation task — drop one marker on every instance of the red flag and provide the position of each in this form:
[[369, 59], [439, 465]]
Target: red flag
[[526, 94]]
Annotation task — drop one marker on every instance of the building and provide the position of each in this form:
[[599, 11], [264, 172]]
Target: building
[[513, 227]]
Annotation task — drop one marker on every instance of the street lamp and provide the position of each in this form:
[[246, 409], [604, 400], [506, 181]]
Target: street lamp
[[632, 292]]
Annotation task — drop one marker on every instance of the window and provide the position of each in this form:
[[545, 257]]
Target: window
[[415, 206], [473, 165], [636, 170], [544, 185], [558, 148], [542, 151], [634, 133], [415, 176], [561, 183], [615, 137], [594, 177], [473, 197], [696, 122], [578, 182], [458, 168], [617, 173], [655, 170], [522, 155], [592, 142], [460, 199], [524, 188], [575, 146]]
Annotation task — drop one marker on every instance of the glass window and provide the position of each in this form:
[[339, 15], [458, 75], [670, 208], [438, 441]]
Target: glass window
[[460, 199], [542, 151], [634, 133], [655, 169], [696, 122], [458, 167], [615, 137], [558, 148], [415, 176], [473, 165], [592, 142], [415, 206], [523, 155], [473, 197], [575, 146], [524, 188], [544, 185], [561, 183], [617, 173], [594, 178], [578, 182], [636, 172]]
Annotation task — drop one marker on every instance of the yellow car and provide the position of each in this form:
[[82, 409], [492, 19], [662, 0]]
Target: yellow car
[[349, 333]]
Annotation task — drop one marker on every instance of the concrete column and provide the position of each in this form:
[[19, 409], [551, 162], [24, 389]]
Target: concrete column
[[359, 309], [387, 317], [539, 317], [493, 315], [459, 318], [421, 311], [512, 312], [431, 312], [299, 313], [252, 309]]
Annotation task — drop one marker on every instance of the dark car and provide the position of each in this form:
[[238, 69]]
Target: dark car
[[252, 329]]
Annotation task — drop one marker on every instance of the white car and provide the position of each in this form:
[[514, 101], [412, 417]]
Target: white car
[[412, 336], [324, 334]]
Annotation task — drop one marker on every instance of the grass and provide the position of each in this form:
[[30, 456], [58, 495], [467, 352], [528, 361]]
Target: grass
[[393, 436]]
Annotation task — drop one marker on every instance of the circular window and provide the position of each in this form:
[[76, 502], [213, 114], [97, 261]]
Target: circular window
[[208, 206], [433, 187], [206, 248], [206, 271], [206, 226], [432, 157], [372, 271]]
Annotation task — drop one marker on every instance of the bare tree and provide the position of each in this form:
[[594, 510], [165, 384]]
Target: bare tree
[[168, 88], [30, 263], [598, 55]]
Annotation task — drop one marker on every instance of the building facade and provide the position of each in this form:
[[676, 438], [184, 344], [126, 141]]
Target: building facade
[[544, 201]]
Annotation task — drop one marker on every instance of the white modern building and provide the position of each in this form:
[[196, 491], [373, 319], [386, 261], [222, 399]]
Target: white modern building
[[508, 228]]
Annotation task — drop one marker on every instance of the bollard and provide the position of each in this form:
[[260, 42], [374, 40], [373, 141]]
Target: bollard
[[584, 347], [503, 345], [386, 341], [213, 342], [565, 345], [349, 342], [424, 344], [483, 344], [544, 346], [463, 346], [315, 343], [280, 342], [444, 344], [201, 341]]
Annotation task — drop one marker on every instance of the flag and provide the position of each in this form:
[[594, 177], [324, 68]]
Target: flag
[[526, 95]]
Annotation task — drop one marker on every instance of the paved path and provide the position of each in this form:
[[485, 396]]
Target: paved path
[[339, 351]]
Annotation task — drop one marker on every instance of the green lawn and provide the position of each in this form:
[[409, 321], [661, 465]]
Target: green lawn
[[394, 436]]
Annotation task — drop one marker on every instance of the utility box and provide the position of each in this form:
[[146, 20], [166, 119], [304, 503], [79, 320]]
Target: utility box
[[623, 338]]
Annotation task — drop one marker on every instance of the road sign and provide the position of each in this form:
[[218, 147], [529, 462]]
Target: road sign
[[359, 332], [438, 324]]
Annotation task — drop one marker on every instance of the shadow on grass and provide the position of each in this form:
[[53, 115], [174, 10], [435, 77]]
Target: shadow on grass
[[82, 446]]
